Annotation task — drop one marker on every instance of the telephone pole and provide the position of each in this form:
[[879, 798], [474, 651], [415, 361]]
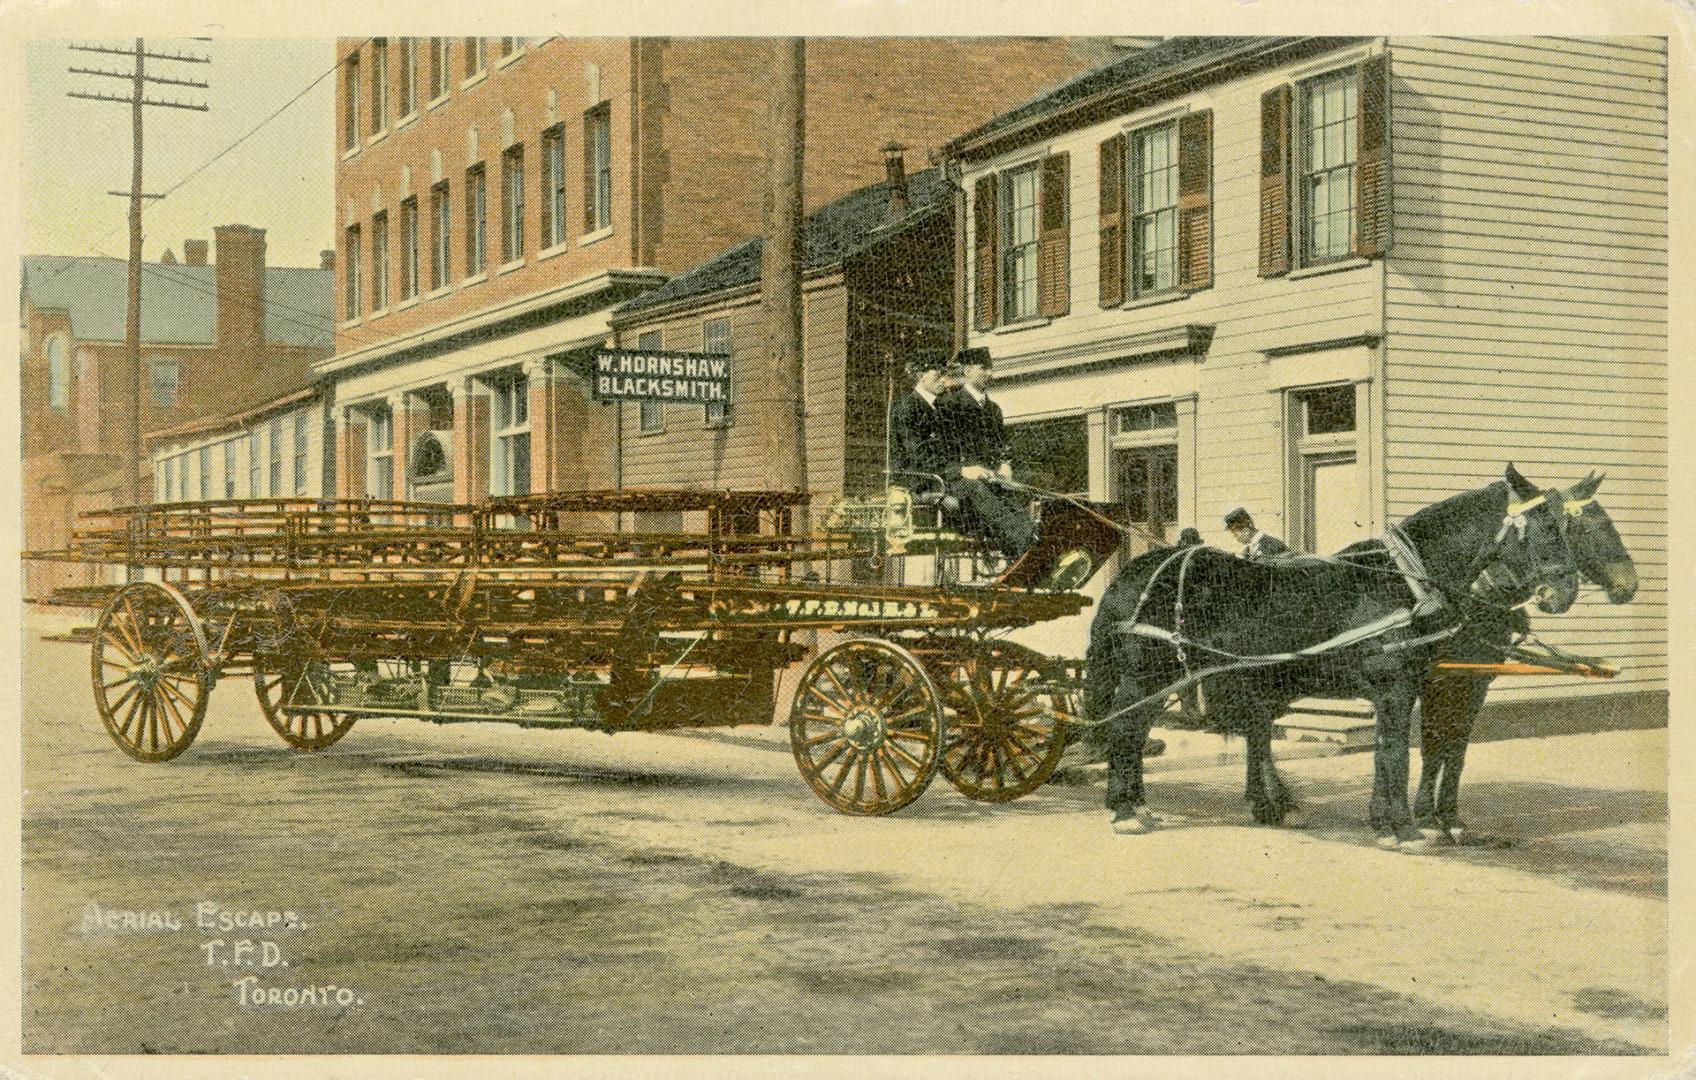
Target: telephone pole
[[780, 273], [137, 101]]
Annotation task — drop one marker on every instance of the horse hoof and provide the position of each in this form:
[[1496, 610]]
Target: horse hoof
[[1129, 826], [1153, 748], [1387, 840], [1457, 834], [1294, 819], [1419, 846], [1430, 832]]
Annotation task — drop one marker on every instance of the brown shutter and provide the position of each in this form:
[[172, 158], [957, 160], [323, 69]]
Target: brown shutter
[[1372, 159], [1195, 200], [1112, 222], [1275, 182], [987, 306], [1054, 244]]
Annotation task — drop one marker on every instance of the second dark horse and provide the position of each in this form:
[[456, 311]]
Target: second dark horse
[[1481, 552]]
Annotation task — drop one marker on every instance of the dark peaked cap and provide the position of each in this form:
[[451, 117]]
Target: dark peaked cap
[[976, 355], [1238, 516]]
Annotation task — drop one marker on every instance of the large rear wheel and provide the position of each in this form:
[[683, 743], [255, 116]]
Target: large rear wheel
[[152, 670], [866, 727]]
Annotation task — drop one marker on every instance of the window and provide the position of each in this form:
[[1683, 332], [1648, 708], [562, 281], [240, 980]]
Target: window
[[441, 224], [162, 481], [182, 478], [229, 469], [162, 379], [509, 471], [274, 444], [1018, 250], [1326, 159], [409, 247], [1139, 418], [1328, 411], [379, 85], [715, 341], [597, 168], [1147, 482], [350, 103], [253, 489], [352, 286], [438, 68], [1052, 454], [1328, 499], [509, 45], [380, 454], [1154, 209], [476, 208], [380, 261], [58, 374], [300, 453], [408, 76], [476, 56], [512, 202], [205, 464], [553, 186], [650, 414]]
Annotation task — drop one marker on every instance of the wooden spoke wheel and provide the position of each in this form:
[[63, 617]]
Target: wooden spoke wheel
[[866, 727], [1006, 724], [152, 671], [301, 680]]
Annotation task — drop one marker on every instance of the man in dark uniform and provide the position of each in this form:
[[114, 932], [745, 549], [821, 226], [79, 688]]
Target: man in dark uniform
[[977, 432], [918, 444], [1256, 544]]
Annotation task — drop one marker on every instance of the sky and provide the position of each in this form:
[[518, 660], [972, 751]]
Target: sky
[[282, 179]]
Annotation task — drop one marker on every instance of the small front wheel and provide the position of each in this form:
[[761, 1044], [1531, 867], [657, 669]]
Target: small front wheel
[[308, 730], [866, 727], [152, 671]]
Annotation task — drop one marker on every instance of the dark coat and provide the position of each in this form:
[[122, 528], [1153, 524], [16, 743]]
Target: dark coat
[[919, 441], [979, 432], [1265, 546]]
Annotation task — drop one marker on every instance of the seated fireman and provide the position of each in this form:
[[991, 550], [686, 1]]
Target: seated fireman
[[978, 430], [930, 436]]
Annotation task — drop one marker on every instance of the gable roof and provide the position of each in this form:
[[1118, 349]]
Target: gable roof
[[835, 233], [177, 300], [1173, 58]]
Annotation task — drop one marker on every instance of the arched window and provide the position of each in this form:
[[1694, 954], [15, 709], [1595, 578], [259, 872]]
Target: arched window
[[58, 374]]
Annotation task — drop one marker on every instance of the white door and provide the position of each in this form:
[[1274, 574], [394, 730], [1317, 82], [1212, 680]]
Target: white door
[[1336, 503]]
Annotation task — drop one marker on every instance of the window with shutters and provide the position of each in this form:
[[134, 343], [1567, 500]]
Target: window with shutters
[[409, 247], [353, 286], [553, 186], [1327, 141], [438, 69], [1018, 230], [1154, 209], [512, 204], [476, 219], [441, 239], [597, 168], [380, 262], [715, 341]]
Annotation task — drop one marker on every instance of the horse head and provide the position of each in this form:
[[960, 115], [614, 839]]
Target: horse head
[[1596, 546], [1531, 558]]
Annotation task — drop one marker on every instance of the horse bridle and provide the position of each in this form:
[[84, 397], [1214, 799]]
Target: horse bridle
[[1497, 581]]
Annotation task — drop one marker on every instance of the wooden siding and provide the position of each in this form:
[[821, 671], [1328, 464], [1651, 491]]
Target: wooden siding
[[688, 453], [1526, 300]]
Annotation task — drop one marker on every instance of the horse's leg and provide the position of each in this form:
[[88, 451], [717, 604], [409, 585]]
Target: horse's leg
[[1436, 734], [1269, 796], [1391, 817], [1127, 738], [1467, 703]]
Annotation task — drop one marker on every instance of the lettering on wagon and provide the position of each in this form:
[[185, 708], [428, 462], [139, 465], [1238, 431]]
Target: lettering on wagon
[[819, 607]]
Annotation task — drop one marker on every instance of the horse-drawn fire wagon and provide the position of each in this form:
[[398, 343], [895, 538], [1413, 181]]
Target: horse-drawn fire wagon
[[554, 610]]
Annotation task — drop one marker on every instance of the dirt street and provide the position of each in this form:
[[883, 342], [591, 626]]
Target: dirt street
[[478, 889]]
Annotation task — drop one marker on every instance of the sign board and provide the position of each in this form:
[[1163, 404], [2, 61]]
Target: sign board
[[654, 375]]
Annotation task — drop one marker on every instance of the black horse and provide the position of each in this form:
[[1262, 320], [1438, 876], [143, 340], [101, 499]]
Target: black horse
[[1452, 700], [1383, 621]]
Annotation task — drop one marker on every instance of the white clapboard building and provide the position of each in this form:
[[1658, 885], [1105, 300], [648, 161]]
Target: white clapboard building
[[1333, 280]]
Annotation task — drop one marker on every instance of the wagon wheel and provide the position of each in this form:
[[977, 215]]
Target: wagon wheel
[[1006, 729], [302, 730], [866, 726], [152, 671]]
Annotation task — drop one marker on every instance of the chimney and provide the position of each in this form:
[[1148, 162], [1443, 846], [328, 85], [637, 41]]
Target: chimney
[[194, 252], [327, 259], [240, 288], [168, 259], [895, 169]]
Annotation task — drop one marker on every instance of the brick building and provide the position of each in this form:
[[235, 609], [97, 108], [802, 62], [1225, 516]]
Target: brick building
[[1185, 267], [497, 198], [216, 337]]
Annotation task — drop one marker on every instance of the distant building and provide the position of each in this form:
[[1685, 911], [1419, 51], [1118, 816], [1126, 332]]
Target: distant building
[[273, 450], [1334, 280], [498, 198], [216, 338]]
